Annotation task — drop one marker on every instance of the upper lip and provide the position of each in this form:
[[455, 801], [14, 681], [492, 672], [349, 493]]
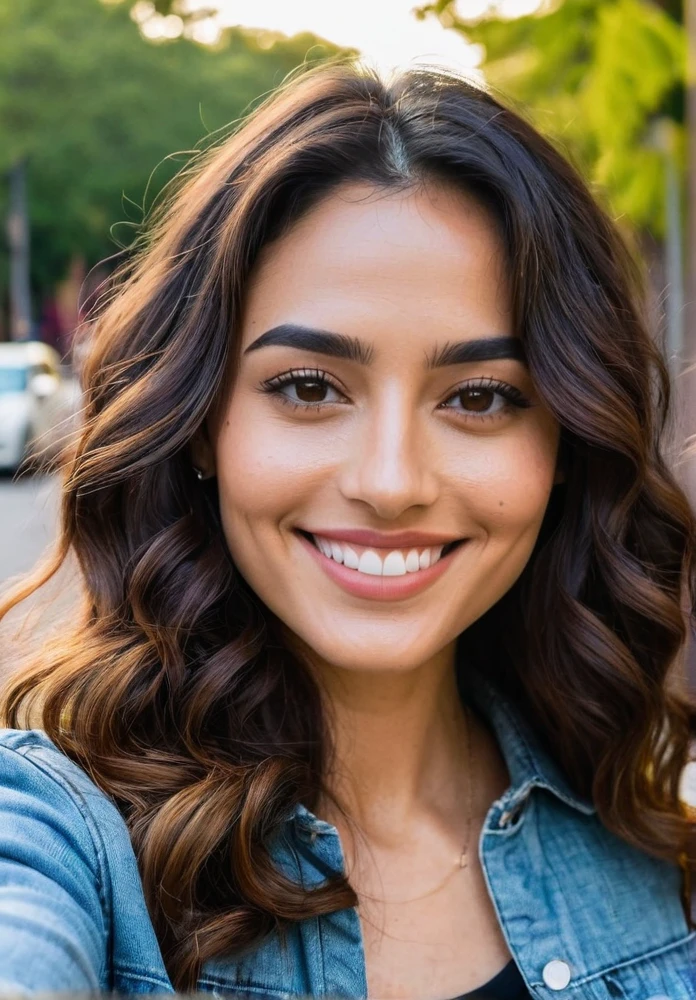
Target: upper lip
[[384, 540]]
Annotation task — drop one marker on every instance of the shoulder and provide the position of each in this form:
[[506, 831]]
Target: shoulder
[[65, 840], [31, 755], [42, 787]]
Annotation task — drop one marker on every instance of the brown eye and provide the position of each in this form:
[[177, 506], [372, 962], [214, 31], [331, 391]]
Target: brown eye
[[310, 390], [477, 400], [303, 388], [487, 400]]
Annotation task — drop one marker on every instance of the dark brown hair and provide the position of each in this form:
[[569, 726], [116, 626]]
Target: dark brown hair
[[174, 689]]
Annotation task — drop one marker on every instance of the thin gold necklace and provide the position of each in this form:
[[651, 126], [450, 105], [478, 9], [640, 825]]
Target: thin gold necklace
[[463, 860]]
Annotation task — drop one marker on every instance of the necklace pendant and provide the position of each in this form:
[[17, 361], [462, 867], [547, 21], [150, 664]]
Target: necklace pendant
[[462, 860]]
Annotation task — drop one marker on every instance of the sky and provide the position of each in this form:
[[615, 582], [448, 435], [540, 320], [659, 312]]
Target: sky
[[385, 31]]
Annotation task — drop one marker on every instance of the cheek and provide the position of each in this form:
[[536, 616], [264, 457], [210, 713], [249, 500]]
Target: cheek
[[262, 468], [507, 484]]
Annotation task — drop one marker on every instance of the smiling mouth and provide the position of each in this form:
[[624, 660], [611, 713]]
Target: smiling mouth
[[445, 550]]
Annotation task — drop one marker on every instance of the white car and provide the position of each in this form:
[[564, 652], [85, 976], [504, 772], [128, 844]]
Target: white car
[[37, 404]]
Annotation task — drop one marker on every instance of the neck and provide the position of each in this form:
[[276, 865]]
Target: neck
[[399, 744]]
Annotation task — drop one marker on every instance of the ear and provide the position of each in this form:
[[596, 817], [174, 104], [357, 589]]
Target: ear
[[202, 452]]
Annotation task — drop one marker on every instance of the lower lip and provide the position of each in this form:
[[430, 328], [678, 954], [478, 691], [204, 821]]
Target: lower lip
[[379, 588]]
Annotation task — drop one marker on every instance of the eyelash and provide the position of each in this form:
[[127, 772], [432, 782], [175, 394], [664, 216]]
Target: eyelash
[[514, 399]]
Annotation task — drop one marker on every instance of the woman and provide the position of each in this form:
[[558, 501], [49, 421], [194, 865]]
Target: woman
[[374, 690]]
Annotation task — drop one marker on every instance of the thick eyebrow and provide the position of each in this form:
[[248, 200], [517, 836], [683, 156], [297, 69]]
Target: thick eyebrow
[[338, 345]]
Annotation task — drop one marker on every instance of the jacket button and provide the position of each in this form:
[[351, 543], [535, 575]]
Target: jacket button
[[556, 974]]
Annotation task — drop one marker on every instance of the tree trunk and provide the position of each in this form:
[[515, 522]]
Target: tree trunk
[[18, 244]]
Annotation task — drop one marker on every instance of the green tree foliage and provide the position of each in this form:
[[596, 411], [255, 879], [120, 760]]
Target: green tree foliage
[[96, 110], [597, 75]]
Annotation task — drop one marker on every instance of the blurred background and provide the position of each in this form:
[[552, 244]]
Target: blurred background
[[100, 100]]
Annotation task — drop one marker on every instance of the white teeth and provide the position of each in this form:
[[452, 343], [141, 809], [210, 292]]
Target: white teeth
[[394, 565], [350, 558], [369, 562], [412, 561]]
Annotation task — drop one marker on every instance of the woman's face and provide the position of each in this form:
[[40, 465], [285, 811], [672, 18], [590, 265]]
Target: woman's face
[[367, 427]]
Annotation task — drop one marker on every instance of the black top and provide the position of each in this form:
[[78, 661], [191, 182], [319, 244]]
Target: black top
[[507, 985]]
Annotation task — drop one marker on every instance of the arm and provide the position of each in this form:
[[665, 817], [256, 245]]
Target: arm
[[53, 934]]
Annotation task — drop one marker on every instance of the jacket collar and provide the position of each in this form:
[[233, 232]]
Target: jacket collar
[[528, 763]]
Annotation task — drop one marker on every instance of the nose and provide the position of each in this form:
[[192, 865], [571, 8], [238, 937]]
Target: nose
[[390, 465]]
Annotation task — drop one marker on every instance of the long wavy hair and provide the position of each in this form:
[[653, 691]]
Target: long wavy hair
[[173, 688]]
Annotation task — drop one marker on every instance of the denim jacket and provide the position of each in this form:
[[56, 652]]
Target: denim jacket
[[585, 915]]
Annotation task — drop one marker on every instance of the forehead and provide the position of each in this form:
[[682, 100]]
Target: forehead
[[378, 256]]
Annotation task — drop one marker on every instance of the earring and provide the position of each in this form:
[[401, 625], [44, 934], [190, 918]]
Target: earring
[[199, 472]]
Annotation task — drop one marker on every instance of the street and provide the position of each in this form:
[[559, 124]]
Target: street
[[28, 523], [28, 518]]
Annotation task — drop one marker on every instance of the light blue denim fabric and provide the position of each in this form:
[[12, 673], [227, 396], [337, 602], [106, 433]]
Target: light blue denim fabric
[[73, 916]]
